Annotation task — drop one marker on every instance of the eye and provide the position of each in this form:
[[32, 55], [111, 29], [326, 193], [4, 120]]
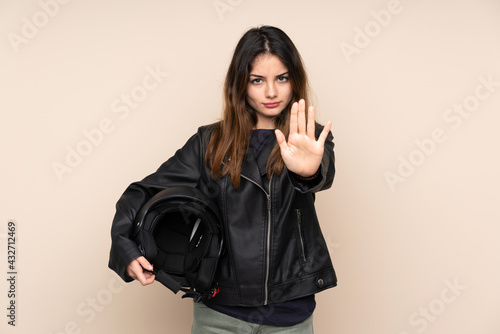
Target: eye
[[256, 81], [282, 78]]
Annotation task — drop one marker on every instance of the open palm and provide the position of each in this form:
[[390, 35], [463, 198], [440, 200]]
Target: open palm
[[302, 153]]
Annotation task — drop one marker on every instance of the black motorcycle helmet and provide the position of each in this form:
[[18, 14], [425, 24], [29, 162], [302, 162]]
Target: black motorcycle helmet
[[178, 230]]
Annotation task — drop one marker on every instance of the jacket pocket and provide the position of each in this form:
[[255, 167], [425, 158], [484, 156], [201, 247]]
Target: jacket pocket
[[301, 244]]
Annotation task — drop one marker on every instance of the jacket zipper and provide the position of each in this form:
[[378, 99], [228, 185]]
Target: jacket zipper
[[268, 246], [299, 225]]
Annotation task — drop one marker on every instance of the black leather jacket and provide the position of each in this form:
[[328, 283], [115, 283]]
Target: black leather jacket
[[274, 248]]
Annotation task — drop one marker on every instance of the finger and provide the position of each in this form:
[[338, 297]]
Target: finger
[[148, 278], [301, 117], [311, 124], [293, 118], [280, 137], [324, 134], [144, 263], [141, 277], [137, 272]]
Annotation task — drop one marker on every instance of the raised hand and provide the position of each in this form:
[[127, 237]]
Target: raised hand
[[302, 153]]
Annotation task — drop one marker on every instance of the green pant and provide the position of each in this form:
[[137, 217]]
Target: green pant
[[207, 321]]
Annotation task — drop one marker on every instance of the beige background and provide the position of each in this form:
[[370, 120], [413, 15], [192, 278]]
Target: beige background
[[390, 91]]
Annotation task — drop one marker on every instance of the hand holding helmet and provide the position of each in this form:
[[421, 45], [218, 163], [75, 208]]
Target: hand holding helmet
[[178, 231], [140, 269]]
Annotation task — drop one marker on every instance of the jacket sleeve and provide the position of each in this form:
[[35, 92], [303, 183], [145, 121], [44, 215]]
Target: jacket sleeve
[[182, 169], [326, 171]]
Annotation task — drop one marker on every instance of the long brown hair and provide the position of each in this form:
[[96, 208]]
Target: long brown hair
[[229, 140]]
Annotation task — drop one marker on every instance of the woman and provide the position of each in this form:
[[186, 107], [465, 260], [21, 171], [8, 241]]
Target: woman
[[267, 157]]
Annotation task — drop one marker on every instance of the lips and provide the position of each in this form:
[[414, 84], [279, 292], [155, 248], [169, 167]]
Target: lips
[[271, 105]]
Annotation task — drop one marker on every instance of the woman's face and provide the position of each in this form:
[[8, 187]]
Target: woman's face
[[269, 90]]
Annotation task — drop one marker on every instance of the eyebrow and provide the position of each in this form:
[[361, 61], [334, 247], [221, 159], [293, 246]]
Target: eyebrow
[[260, 76]]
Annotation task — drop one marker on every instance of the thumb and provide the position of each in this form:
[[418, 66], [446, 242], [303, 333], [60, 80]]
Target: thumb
[[145, 263], [324, 134], [280, 137]]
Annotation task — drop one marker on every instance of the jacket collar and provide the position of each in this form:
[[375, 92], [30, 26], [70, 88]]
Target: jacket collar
[[253, 168]]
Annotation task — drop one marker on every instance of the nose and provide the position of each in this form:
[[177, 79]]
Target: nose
[[271, 91]]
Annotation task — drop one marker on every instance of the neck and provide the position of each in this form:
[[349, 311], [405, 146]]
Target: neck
[[265, 124]]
